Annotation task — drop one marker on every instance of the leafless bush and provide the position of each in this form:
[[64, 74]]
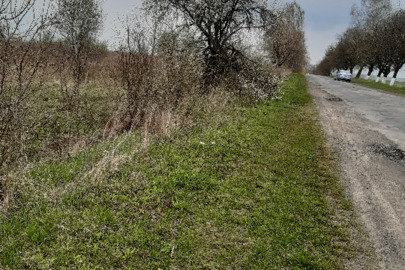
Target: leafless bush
[[77, 23], [156, 71], [23, 65], [252, 78]]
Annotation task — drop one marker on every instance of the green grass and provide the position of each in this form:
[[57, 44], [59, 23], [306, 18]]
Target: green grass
[[401, 83], [380, 86], [247, 188]]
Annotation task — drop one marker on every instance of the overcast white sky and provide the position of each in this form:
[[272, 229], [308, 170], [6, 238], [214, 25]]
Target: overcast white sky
[[324, 20]]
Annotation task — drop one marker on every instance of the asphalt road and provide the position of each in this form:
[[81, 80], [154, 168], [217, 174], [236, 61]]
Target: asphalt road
[[386, 111], [366, 130]]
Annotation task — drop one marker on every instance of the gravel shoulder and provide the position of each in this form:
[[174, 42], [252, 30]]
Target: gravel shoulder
[[372, 161]]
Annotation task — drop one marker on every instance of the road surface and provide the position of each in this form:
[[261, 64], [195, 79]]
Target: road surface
[[366, 129]]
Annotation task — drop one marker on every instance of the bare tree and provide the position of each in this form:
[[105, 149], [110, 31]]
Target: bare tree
[[396, 40], [385, 52], [23, 62], [370, 52], [369, 17], [370, 13], [348, 52], [285, 39], [218, 25], [354, 39], [325, 67], [78, 23]]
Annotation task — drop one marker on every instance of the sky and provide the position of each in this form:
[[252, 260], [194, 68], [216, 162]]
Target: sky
[[324, 20]]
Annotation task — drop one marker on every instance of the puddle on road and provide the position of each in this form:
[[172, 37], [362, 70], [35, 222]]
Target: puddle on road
[[389, 151]]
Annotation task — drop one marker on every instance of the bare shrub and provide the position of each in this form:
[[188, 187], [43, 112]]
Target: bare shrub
[[154, 87], [155, 76], [78, 23], [23, 65]]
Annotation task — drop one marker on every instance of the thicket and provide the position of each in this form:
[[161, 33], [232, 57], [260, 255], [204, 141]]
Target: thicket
[[61, 89]]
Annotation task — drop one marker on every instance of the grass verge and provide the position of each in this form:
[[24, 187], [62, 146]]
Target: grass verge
[[247, 188], [380, 86]]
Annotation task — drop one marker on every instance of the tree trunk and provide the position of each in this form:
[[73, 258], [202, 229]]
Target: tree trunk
[[379, 75], [386, 72], [394, 77], [359, 72], [370, 70], [395, 73], [397, 67]]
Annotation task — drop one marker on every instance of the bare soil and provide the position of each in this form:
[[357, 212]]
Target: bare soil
[[373, 173]]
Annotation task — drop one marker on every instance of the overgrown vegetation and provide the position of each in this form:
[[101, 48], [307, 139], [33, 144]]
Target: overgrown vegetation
[[78, 23], [21, 76], [178, 150], [56, 77], [248, 187]]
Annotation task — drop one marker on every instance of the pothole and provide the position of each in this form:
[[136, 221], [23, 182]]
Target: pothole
[[334, 99], [388, 151]]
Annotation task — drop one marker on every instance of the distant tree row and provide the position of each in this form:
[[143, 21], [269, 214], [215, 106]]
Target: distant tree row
[[374, 41]]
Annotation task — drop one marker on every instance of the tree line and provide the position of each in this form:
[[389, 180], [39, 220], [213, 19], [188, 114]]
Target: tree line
[[375, 40], [168, 52]]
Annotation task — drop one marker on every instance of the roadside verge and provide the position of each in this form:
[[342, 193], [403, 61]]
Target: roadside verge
[[250, 187], [380, 86]]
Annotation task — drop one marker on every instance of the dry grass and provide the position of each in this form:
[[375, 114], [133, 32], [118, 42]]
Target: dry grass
[[123, 93]]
